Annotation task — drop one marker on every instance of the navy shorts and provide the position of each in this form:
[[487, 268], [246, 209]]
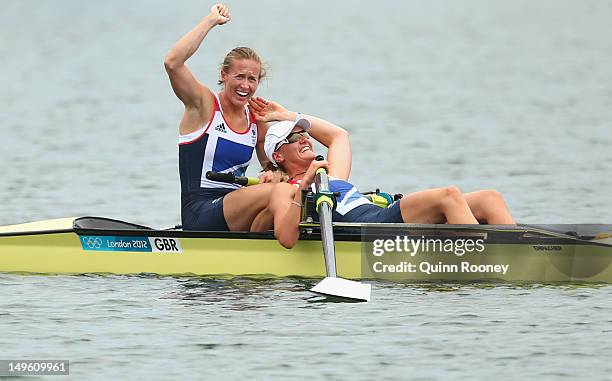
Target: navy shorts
[[371, 213], [204, 211]]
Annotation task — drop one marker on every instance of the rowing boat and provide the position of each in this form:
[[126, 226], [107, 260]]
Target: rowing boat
[[521, 253]]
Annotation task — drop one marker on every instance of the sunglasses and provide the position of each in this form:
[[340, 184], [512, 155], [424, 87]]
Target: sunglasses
[[293, 138]]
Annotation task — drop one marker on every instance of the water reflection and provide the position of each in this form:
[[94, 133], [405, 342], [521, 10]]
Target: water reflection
[[237, 293]]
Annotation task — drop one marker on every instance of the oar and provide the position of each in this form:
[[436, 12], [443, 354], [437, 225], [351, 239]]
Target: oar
[[331, 285], [230, 178]]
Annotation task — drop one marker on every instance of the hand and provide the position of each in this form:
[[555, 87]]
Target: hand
[[267, 111], [309, 176], [272, 177], [220, 13]]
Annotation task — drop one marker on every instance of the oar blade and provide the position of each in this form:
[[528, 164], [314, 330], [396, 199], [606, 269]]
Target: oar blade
[[344, 288]]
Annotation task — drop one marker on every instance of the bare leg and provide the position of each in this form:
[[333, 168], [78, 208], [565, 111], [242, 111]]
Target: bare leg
[[435, 206], [241, 207], [489, 205], [263, 221]]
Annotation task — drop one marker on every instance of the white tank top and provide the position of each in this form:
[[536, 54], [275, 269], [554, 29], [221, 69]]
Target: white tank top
[[215, 147]]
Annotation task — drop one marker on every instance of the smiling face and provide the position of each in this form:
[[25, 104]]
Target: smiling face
[[295, 157], [241, 81]]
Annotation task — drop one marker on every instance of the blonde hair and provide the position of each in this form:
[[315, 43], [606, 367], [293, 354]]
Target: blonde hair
[[241, 53]]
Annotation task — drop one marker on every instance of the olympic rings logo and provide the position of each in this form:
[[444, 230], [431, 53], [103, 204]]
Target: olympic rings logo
[[92, 242]]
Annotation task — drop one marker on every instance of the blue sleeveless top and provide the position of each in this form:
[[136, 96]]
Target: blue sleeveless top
[[214, 147]]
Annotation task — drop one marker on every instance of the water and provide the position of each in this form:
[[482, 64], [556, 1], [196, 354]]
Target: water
[[159, 328], [479, 94]]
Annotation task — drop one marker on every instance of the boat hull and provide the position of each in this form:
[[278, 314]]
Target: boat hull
[[62, 253], [66, 251]]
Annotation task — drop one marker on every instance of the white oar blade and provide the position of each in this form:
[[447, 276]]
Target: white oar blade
[[344, 288]]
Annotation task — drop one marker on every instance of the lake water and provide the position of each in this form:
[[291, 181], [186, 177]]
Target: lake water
[[515, 96]]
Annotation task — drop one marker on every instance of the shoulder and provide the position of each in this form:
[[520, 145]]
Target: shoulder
[[209, 103]]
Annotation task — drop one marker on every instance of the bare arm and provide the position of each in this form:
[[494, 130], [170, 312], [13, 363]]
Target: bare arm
[[335, 138], [262, 128], [284, 206], [194, 95]]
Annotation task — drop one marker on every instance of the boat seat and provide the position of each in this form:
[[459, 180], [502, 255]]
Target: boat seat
[[95, 223]]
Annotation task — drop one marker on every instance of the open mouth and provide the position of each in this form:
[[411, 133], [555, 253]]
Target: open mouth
[[242, 94], [304, 149]]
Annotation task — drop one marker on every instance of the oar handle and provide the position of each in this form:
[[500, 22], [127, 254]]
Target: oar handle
[[230, 178]]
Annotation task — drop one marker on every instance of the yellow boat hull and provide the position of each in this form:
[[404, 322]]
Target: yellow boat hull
[[58, 249]]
